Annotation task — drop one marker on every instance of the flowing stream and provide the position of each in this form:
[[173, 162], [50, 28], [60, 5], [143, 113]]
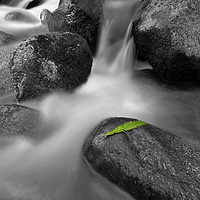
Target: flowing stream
[[54, 169]]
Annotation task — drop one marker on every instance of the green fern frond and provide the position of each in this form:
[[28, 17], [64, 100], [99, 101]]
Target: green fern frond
[[126, 127]]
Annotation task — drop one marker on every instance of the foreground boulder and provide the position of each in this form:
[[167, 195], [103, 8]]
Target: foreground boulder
[[49, 62], [16, 120], [146, 162], [70, 18], [166, 34]]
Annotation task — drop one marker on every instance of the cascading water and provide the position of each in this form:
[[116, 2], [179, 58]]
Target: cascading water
[[54, 169]]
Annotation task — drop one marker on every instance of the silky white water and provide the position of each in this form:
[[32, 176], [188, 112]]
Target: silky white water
[[54, 168]]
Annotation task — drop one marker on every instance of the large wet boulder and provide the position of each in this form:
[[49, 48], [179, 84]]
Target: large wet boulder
[[166, 34], [70, 18], [17, 120], [146, 162], [94, 8], [49, 62]]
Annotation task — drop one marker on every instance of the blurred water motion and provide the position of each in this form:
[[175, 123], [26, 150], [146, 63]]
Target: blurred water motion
[[54, 169]]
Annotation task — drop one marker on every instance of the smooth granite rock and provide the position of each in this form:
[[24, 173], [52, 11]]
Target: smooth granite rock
[[50, 62], [147, 162], [166, 33]]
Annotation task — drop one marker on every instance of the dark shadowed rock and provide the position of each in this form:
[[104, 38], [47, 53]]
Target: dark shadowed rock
[[70, 18], [147, 162], [167, 35], [94, 8], [34, 3], [16, 120], [21, 16], [49, 62]]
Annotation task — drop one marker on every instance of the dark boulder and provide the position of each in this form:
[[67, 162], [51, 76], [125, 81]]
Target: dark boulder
[[21, 16], [167, 35], [70, 18], [146, 162], [49, 62], [17, 120], [34, 3]]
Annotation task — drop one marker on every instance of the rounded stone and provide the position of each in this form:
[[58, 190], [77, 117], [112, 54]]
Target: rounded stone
[[21, 16], [18, 120], [49, 62], [70, 18], [166, 34]]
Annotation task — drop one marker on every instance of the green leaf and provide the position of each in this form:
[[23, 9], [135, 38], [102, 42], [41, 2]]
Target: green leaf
[[126, 127]]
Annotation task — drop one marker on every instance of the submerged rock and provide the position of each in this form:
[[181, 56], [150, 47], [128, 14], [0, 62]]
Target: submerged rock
[[16, 120], [70, 18], [21, 16], [49, 62], [166, 34], [7, 39], [146, 162]]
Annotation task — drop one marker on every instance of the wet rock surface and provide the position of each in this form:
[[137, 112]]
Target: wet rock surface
[[167, 36], [45, 16], [17, 120], [70, 18], [146, 162], [6, 85], [94, 8], [49, 62]]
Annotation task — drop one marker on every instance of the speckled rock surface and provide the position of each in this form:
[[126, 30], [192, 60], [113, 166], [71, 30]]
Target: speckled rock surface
[[93, 8], [49, 62], [16, 120], [70, 18], [6, 85], [146, 162], [167, 35]]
